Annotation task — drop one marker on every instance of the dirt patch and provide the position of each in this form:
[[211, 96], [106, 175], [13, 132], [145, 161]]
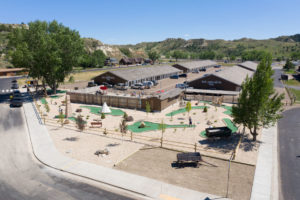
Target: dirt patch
[[210, 177]]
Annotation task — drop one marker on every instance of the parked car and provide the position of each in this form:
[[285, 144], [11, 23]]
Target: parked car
[[181, 85], [174, 77], [148, 84], [155, 83], [195, 71], [14, 81], [15, 86], [107, 85], [16, 101], [218, 70], [139, 86], [217, 66], [183, 75], [121, 86], [202, 70], [91, 84]]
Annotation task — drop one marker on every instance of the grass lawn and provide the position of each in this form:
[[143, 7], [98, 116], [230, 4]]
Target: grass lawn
[[291, 71], [84, 76], [183, 110], [292, 82], [296, 93], [43, 101], [150, 126], [95, 110]]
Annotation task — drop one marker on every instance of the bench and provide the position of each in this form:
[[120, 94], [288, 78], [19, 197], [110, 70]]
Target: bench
[[189, 157], [96, 124]]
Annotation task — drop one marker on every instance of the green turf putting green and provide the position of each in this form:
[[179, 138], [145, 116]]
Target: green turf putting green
[[43, 101], [183, 110], [55, 96], [203, 134], [49, 91], [230, 125], [150, 126], [228, 110], [95, 110], [209, 102]]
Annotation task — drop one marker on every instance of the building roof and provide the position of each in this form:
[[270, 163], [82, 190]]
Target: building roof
[[170, 93], [197, 64], [249, 65], [201, 91], [144, 72], [234, 74]]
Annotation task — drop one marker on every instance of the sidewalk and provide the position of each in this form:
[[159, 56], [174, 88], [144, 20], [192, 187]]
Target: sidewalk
[[45, 152], [265, 184]]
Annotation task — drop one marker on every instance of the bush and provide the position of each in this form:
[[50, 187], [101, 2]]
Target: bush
[[71, 79], [102, 116], [205, 109], [80, 123], [129, 119]]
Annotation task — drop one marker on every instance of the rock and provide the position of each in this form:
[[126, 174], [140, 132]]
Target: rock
[[129, 119], [142, 125]]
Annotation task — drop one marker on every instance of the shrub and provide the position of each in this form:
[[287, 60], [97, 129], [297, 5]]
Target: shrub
[[205, 109], [71, 79], [80, 123], [102, 116]]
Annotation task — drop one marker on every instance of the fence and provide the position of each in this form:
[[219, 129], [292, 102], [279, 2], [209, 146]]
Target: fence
[[226, 98]]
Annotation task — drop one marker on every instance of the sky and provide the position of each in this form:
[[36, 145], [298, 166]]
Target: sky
[[134, 21]]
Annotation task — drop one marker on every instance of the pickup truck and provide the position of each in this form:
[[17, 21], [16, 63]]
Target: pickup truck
[[121, 86]]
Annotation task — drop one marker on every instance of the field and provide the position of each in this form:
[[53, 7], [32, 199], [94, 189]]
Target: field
[[292, 82], [296, 93]]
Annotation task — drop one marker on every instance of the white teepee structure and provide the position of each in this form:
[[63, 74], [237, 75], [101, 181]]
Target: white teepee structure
[[105, 108]]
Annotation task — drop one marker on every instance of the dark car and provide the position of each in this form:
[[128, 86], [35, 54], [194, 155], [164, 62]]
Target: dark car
[[15, 86], [202, 70], [155, 82], [174, 77], [16, 101], [217, 66], [91, 84], [183, 75], [14, 81]]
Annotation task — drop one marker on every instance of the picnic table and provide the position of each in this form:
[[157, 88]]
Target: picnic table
[[218, 132], [96, 124], [189, 157]]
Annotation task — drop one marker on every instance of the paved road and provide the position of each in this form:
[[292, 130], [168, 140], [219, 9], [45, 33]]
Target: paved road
[[276, 76], [22, 177], [289, 154]]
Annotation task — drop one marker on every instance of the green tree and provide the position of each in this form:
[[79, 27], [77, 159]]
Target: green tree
[[126, 52], [148, 107], [288, 65], [153, 55], [177, 54], [188, 107], [258, 105], [98, 58], [295, 55], [48, 50], [162, 126]]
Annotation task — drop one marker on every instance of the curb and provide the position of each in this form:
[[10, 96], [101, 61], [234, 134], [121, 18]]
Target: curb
[[44, 150]]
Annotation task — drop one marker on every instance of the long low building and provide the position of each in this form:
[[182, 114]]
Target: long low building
[[137, 75], [195, 65], [229, 79]]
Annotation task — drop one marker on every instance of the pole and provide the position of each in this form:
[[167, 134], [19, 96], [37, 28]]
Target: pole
[[228, 175]]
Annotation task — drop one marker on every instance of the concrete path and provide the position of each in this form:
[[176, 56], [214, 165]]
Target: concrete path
[[46, 152], [265, 184]]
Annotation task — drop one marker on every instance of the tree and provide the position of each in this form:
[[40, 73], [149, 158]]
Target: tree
[[80, 123], [98, 58], [188, 107], [148, 107], [288, 65], [258, 104], [126, 52], [153, 55], [177, 54], [48, 50], [123, 126], [295, 55], [162, 126]]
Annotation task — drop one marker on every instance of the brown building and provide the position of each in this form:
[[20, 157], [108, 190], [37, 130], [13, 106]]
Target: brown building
[[131, 61], [12, 71], [229, 79], [138, 75], [187, 67]]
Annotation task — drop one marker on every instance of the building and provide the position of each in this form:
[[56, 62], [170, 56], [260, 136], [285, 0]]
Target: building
[[137, 75], [229, 79], [194, 65], [131, 61], [111, 62], [12, 71], [249, 65]]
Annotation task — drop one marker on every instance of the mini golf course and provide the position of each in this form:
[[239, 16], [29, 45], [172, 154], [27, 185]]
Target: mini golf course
[[183, 110], [228, 110], [95, 110], [150, 126]]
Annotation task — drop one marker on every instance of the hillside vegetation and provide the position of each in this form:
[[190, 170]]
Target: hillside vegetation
[[247, 49]]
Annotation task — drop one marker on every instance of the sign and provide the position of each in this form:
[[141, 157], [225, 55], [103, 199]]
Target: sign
[[103, 87]]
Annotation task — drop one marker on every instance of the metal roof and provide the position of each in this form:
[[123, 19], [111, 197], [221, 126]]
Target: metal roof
[[145, 72], [234, 74], [249, 65], [197, 64], [170, 93], [222, 92]]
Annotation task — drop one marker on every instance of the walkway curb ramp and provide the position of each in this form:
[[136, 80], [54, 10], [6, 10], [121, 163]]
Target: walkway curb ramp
[[45, 152], [265, 184]]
